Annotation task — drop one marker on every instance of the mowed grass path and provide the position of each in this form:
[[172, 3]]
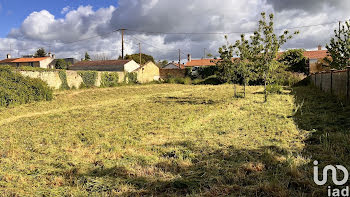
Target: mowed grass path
[[163, 140]]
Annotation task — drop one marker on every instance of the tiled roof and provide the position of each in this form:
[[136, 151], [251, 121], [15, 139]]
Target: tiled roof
[[37, 59], [7, 60], [319, 54], [22, 60], [316, 54], [201, 62], [102, 63], [204, 62]]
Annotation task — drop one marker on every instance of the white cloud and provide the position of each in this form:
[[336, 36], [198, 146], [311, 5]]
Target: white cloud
[[44, 29], [65, 9]]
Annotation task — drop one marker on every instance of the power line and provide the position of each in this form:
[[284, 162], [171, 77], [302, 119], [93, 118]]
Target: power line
[[222, 33]]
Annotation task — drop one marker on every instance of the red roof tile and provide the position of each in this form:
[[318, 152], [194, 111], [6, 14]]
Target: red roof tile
[[201, 62], [316, 54], [204, 62], [319, 54], [37, 59], [7, 60]]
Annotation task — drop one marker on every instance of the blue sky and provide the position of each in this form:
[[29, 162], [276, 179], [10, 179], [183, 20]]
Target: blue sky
[[13, 12]]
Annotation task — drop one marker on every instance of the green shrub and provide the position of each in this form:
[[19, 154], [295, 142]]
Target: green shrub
[[188, 72], [16, 89], [109, 79], [212, 80], [29, 68], [286, 78], [205, 72], [274, 89], [187, 81], [130, 78], [179, 80], [63, 76], [89, 78], [61, 64]]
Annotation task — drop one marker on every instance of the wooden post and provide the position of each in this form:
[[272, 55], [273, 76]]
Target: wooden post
[[321, 73], [315, 79], [348, 85], [122, 32], [179, 58], [140, 53], [332, 70]]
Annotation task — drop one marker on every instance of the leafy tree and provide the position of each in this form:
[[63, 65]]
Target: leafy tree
[[61, 64], [245, 66], [295, 60], [265, 45], [87, 57], [136, 57], [227, 70], [339, 47], [40, 53], [163, 63]]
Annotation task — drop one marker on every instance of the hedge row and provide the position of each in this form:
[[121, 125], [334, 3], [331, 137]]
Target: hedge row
[[16, 89]]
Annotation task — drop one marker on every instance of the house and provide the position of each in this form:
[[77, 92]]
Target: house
[[41, 62], [147, 73], [173, 65], [314, 57], [106, 65]]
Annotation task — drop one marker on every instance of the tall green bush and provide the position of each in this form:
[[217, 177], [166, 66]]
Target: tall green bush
[[63, 76], [130, 78], [89, 78], [16, 89], [205, 72], [109, 79]]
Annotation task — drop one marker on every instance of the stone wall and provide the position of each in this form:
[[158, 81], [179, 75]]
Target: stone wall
[[336, 83], [52, 78]]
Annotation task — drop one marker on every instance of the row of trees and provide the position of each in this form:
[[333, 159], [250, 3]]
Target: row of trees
[[257, 55]]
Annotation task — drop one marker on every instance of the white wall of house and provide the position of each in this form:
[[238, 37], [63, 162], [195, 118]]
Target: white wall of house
[[46, 62], [131, 66]]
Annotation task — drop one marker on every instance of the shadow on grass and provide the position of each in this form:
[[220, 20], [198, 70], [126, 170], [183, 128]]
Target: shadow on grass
[[212, 172], [185, 100], [328, 122], [195, 168]]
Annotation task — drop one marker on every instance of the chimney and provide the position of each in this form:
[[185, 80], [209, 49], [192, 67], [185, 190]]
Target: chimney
[[8, 56], [319, 47], [189, 57]]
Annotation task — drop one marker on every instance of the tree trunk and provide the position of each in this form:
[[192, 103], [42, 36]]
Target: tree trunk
[[265, 91], [244, 88], [235, 90]]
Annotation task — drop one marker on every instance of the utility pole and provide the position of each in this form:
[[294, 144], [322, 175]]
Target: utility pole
[[122, 32], [140, 53], [180, 58]]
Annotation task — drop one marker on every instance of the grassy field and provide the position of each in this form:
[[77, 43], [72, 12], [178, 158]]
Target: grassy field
[[171, 140]]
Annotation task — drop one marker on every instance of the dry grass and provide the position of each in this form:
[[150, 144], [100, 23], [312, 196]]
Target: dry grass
[[167, 140]]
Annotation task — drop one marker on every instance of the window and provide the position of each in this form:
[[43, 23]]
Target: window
[[17, 65], [31, 64]]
